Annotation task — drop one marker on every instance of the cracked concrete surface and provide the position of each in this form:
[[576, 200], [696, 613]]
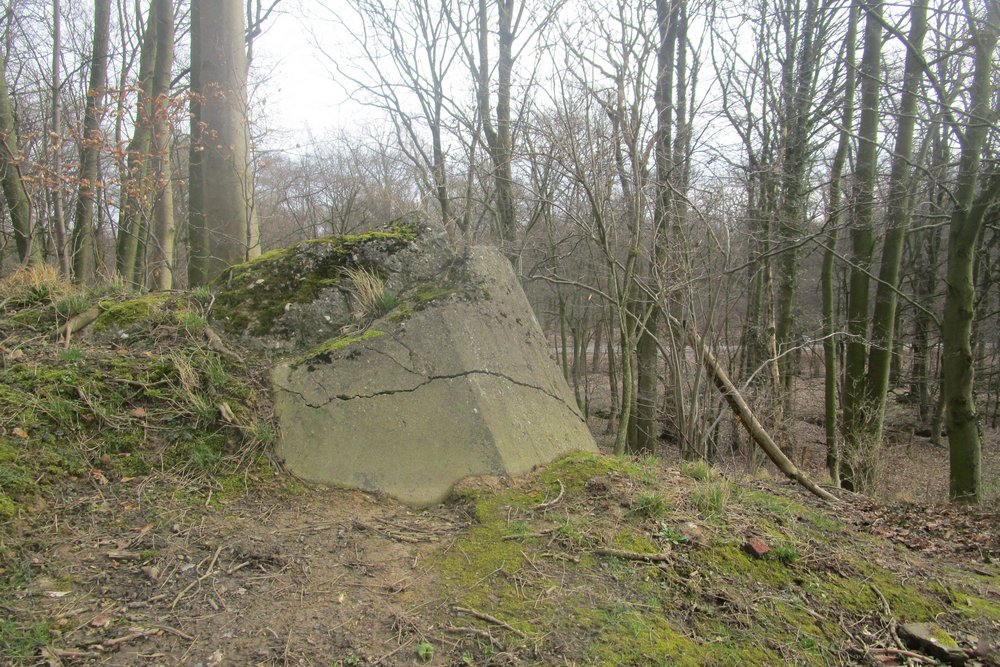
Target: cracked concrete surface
[[463, 387]]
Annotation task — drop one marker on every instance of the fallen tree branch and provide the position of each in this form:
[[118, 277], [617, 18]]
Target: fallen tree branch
[[78, 323], [746, 417]]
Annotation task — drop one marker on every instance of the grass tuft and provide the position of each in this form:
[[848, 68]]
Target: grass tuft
[[712, 499]]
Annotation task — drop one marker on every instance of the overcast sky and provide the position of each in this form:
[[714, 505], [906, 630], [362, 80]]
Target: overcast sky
[[300, 95]]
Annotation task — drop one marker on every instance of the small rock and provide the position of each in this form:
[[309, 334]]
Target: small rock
[[932, 640], [694, 533], [756, 547]]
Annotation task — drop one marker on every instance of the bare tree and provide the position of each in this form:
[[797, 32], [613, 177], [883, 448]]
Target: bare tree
[[84, 246]]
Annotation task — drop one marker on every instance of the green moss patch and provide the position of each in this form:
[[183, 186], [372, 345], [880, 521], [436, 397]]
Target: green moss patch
[[326, 350], [140, 390]]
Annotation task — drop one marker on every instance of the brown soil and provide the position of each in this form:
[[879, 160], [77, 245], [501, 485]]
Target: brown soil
[[275, 580]]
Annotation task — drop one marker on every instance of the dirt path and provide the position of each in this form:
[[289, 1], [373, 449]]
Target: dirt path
[[328, 578]]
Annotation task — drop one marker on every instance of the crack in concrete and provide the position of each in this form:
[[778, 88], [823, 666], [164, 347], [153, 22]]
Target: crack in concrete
[[427, 381], [396, 361]]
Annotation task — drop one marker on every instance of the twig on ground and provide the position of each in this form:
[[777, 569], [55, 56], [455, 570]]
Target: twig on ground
[[524, 536], [174, 631], [137, 633], [208, 573], [69, 654], [378, 661], [215, 343], [632, 555], [461, 630], [555, 501], [913, 655], [489, 619]]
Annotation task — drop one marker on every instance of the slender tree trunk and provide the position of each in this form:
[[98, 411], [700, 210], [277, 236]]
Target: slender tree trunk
[[833, 222], [15, 196], [163, 207], [647, 359], [498, 136], [504, 178], [136, 186], [612, 373], [58, 218], [595, 359], [797, 84], [563, 338], [859, 453], [898, 223], [199, 250], [84, 246]]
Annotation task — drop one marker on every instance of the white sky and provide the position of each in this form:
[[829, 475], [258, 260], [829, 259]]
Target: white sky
[[300, 95]]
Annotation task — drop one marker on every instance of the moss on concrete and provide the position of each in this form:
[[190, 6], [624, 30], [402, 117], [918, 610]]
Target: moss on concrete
[[324, 351], [253, 296]]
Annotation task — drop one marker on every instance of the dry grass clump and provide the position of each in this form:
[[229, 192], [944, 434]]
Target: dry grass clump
[[370, 293], [32, 285]]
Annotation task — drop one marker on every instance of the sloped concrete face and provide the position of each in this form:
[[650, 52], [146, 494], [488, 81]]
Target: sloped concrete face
[[463, 386]]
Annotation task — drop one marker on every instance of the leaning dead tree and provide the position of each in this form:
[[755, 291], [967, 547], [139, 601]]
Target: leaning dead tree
[[746, 417]]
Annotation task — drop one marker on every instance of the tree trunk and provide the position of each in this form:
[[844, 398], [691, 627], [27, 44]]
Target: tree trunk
[[857, 469], [163, 207], [84, 247], [644, 439], [135, 188], [898, 222], [827, 278], [964, 234], [223, 227], [498, 136], [58, 219], [15, 196], [797, 92]]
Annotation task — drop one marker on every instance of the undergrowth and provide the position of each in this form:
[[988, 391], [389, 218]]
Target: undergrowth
[[139, 390]]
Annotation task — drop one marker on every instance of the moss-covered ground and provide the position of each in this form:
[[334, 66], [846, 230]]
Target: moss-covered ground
[[571, 579]]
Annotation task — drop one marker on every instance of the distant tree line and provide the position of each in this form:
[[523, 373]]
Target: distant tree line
[[799, 184]]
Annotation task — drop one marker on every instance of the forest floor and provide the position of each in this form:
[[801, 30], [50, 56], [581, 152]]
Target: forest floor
[[143, 523]]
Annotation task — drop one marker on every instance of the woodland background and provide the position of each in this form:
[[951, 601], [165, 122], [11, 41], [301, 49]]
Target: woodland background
[[807, 187]]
